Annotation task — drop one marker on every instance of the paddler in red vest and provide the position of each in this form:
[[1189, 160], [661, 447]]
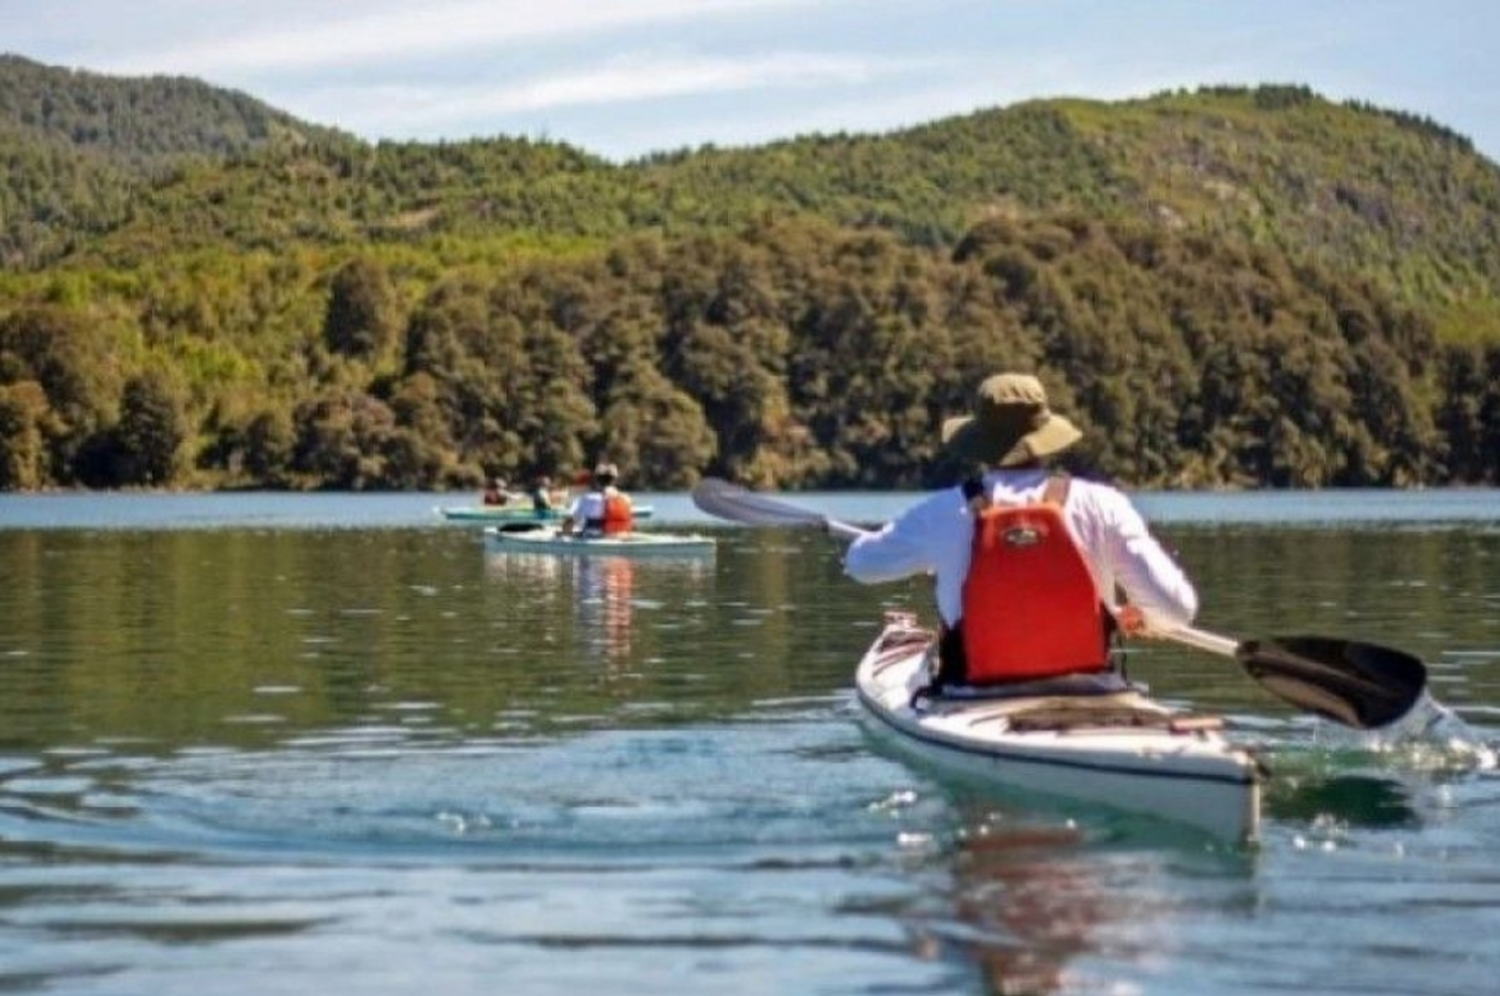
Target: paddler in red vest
[[495, 492], [1028, 563], [602, 510]]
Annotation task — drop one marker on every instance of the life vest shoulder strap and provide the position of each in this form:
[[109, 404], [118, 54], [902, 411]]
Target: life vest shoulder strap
[[1055, 492]]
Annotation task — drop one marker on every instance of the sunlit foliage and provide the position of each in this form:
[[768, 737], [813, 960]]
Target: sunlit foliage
[[1228, 287]]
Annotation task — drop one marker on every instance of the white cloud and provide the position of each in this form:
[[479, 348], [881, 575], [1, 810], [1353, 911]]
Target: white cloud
[[392, 110], [406, 31], [742, 70]]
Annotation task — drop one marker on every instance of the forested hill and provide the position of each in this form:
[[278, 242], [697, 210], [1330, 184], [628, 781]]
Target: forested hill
[[1228, 286], [143, 124], [79, 146]]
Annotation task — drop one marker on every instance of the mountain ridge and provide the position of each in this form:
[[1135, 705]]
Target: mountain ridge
[[1385, 192], [1229, 286]]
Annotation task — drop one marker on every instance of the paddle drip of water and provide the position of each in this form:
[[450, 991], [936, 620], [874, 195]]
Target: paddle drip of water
[[1430, 727]]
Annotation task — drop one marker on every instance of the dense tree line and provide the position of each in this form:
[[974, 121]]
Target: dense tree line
[[1226, 287], [789, 353]]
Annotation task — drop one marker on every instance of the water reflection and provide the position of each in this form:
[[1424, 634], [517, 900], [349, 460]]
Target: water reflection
[[604, 595], [1031, 904], [536, 572], [603, 587]]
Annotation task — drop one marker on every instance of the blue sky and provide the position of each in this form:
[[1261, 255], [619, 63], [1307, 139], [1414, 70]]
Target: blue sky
[[622, 78]]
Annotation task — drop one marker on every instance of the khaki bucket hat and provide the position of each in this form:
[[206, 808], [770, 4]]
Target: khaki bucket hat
[[1011, 424]]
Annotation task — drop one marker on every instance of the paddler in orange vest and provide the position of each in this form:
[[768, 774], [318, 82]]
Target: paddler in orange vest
[[602, 510], [1028, 563]]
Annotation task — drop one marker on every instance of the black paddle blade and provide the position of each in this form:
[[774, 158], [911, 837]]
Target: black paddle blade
[[1358, 684]]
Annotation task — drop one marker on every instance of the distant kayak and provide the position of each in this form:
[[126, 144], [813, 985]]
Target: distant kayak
[[514, 513], [550, 540]]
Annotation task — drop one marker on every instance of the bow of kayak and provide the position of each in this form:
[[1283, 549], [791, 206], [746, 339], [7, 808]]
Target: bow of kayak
[[1117, 748]]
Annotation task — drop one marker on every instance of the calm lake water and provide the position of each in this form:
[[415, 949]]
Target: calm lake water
[[325, 744]]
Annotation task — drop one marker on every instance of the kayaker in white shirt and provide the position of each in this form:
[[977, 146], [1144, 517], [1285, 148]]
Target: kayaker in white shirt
[[604, 508], [1011, 432]]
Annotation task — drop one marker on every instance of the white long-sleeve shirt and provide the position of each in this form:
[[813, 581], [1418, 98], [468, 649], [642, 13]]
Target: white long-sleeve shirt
[[590, 506], [936, 536], [587, 506]]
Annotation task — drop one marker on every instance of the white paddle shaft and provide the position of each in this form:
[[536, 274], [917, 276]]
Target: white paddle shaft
[[844, 529], [1212, 642]]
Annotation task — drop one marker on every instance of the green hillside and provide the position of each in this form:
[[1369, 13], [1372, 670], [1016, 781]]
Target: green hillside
[[78, 147], [143, 125], [1229, 286]]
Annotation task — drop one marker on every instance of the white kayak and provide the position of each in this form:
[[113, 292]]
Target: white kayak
[[550, 540], [1121, 748], [516, 512]]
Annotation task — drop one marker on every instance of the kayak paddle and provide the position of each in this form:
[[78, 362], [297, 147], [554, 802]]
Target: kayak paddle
[[730, 501], [1363, 685]]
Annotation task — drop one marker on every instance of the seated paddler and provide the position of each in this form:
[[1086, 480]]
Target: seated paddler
[[603, 510], [1036, 571]]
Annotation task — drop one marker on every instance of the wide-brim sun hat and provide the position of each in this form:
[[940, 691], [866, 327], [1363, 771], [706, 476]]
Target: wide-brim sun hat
[[1011, 424]]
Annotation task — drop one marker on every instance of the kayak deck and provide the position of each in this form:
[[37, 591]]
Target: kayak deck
[[1119, 748], [551, 540], [515, 513]]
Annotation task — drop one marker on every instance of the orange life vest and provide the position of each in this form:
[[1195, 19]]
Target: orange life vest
[[618, 516], [1030, 606]]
